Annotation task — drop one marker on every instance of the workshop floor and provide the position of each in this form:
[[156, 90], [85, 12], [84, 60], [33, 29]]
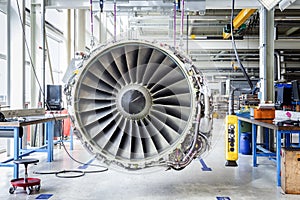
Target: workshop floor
[[240, 183]]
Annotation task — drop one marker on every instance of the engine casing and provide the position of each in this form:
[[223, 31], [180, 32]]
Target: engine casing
[[137, 104]]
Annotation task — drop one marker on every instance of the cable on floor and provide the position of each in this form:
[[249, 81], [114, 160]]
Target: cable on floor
[[73, 173], [69, 173]]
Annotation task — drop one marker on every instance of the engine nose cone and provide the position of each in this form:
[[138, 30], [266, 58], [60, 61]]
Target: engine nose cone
[[133, 102]]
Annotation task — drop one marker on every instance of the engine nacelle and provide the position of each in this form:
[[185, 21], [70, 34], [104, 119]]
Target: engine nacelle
[[137, 104]]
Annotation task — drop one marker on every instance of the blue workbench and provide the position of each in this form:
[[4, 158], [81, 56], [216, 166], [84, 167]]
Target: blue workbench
[[11, 129], [280, 131]]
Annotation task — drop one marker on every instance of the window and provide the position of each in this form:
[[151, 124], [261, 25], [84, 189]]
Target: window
[[3, 63]]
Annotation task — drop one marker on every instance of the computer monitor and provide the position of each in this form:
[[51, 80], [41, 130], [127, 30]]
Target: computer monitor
[[283, 96], [295, 90], [54, 97]]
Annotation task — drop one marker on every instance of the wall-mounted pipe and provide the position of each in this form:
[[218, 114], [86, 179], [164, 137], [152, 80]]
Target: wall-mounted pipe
[[282, 64], [277, 65]]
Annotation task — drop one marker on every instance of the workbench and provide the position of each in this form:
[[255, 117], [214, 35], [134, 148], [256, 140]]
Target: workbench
[[279, 131], [11, 129]]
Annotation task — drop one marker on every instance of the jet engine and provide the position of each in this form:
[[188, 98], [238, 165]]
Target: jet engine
[[139, 104]]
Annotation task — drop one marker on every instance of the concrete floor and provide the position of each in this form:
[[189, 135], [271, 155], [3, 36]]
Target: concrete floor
[[240, 183]]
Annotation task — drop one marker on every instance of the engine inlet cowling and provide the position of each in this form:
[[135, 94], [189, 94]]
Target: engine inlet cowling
[[137, 104]]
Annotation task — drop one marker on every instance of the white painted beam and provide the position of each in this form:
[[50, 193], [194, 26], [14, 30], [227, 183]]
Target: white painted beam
[[226, 4], [199, 45], [108, 6], [210, 4], [209, 65]]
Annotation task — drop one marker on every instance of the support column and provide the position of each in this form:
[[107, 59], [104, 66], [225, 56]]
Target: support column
[[103, 28], [266, 54], [15, 53], [80, 30], [68, 40], [36, 71], [266, 63], [35, 40]]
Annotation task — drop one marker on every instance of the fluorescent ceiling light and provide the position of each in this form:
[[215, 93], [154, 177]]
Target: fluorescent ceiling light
[[269, 4], [220, 76]]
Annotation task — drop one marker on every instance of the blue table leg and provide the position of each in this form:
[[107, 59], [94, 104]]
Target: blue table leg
[[254, 137], [71, 138], [287, 139], [50, 133], [239, 134], [267, 136], [278, 161], [16, 151]]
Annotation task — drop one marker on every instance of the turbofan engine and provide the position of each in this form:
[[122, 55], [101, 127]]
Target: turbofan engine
[[137, 104]]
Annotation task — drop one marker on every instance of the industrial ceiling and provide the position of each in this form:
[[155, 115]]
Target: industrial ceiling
[[204, 21]]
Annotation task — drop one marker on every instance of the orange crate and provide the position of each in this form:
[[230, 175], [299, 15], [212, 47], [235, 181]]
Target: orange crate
[[260, 113]]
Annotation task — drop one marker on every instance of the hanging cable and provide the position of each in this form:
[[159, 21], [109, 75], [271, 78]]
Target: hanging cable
[[233, 89], [49, 61], [115, 20], [101, 4], [187, 33], [28, 51], [235, 50], [43, 11], [92, 24]]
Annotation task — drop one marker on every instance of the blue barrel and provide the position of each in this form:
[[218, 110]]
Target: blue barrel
[[245, 143]]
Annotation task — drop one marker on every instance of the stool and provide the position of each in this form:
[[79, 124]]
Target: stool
[[26, 183]]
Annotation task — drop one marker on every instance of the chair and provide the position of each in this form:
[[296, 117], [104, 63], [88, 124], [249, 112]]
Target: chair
[[26, 182]]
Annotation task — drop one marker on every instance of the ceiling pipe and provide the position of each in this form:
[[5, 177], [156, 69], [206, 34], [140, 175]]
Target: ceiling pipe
[[181, 23], [174, 23]]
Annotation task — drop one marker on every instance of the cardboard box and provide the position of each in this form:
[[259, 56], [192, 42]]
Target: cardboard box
[[290, 170]]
